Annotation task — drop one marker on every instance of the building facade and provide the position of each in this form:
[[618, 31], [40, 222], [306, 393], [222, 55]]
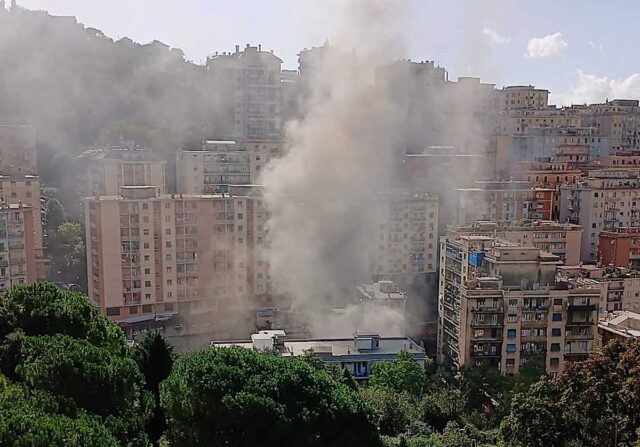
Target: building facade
[[192, 255], [248, 94], [605, 200], [500, 305], [17, 246]]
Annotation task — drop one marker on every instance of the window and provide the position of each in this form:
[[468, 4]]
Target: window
[[554, 362], [147, 296], [513, 303], [512, 318], [147, 283], [555, 347], [133, 310], [511, 362], [511, 347], [557, 301], [239, 215], [113, 311], [146, 245], [167, 244], [146, 257], [511, 333], [557, 317], [145, 206], [145, 232], [167, 231], [556, 332], [147, 308]]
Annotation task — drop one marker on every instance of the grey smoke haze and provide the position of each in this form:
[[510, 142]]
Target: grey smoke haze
[[321, 193]]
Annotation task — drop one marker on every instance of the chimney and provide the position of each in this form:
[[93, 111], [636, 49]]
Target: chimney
[[237, 48], [247, 45], [259, 47]]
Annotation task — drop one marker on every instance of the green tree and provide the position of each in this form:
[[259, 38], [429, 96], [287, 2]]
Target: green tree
[[54, 214], [154, 357], [402, 375], [96, 380], [395, 412], [438, 408], [44, 309], [536, 419], [237, 397], [34, 419], [66, 247]]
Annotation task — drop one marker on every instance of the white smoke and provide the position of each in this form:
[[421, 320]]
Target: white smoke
[[321, 193]]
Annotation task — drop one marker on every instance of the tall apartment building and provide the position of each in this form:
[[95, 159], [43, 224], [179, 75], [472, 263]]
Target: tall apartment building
[[503, 201], [221, 163], [102, 171], [617, 120], [17, 246], [515, 97], [247, 94], [560, 239], [501, 305], [153, 255], [18, 150], [605, 200]]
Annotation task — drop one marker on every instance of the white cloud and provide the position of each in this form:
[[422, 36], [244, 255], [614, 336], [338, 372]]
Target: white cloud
[[591, 88], [551, 46], [494, 37], [597, 46]]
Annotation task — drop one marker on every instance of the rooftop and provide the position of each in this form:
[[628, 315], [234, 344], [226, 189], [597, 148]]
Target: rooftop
[[623, 323]]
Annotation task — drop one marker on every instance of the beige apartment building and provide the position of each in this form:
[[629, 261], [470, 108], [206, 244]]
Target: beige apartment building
[[503, 201], [501, 305], [102, 171], [617, 120], [219, 163], [560, 239], [18, 150], [605, 200], [515, 97], [17, 247], [247, 94], [407, 233], [189, 258]]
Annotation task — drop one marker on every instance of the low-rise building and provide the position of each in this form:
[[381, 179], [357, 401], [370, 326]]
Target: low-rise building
[[383, 294], [501, 305], [357, 354], [619, 325]]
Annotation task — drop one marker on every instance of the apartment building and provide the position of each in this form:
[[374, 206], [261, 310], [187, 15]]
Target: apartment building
[[620, 287], [248, 96], [407, 233], [617, 120], [516, 97], [17, 246], [503, 201], [18, 150], [605, 200], [191, 258], [219, 163], [560, 239], [501, 305], [102, 171], [620, 247]]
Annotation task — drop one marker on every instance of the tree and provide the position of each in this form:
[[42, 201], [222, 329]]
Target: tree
[[535, 419], [67, 249], [154, 357], [403, 375], [96, 380], [44, 309], [29, 419], [54, 213], [395, 412], [440, 407], [237, 397]]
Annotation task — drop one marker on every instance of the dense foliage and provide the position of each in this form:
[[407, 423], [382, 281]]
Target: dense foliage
[[70, 371], [237, 397]]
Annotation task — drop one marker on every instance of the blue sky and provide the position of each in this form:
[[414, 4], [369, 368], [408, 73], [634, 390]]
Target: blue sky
[[582, 50]]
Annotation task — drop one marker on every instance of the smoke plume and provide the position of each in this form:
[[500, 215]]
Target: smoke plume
[[321, 193]]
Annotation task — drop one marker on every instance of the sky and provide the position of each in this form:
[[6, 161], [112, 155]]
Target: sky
[[582, 51]]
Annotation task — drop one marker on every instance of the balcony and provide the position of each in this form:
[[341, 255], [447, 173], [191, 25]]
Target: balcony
[[577, 306], [488, 309]]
